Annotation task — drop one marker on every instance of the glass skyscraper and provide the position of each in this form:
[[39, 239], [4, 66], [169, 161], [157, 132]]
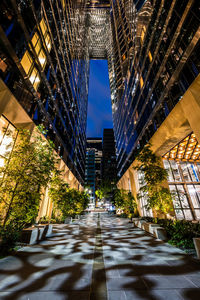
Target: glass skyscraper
[[152, 48], [44, 63]]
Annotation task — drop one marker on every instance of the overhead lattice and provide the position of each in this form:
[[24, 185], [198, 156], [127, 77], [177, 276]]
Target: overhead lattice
[[99, 28]]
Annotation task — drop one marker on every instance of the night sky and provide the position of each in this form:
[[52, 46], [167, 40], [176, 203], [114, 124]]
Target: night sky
[[99, 103]]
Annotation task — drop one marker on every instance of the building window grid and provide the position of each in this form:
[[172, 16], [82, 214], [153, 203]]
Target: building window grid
[[184, 182]]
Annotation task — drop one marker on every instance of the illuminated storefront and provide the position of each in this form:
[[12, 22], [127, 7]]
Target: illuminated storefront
[[183, 165]]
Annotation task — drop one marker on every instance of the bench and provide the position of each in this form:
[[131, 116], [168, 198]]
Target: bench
[[29, 235]]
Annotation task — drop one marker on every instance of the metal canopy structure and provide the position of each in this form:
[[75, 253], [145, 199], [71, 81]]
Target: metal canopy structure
[[98, 28]]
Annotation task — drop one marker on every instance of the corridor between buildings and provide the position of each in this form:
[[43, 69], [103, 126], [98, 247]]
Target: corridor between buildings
[[99, 257]]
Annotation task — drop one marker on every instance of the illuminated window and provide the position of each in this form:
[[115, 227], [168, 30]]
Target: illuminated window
[[141, 82], [143, 33], [42, 58], [8, 135], [26, 62], [123, 57], [34, 78], [63, 3], [43, 27], [184, 183], [150, 56], [48, 42]]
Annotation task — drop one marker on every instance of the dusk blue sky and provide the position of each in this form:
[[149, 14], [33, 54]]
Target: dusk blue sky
[[99, 103]]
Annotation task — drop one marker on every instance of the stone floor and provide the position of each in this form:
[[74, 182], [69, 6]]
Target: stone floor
[[100, 257]]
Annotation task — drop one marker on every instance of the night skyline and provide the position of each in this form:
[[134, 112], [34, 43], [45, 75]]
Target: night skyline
[[99, 103]]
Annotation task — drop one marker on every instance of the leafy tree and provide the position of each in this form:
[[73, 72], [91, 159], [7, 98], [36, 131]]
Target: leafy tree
[[25, 176], [125, 201], [159, 198], [106, 189], [99, 193], [67, 201]]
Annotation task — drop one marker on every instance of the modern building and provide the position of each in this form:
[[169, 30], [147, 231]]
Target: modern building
[[160, 100], [96, 145], [44, 69], [44, 65], [93, 165], [152, 48], [109, 166]]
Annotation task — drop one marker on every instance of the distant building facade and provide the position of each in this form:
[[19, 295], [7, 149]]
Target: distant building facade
[[93, 164], [109, 165]]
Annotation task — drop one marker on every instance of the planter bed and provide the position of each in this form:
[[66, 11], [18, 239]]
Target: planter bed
[[33, 235], [160, 232], [154, 229]]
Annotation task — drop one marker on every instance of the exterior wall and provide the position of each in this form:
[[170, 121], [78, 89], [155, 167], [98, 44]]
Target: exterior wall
[[44, 62], [16, 115], [181, 121], [164, 64]]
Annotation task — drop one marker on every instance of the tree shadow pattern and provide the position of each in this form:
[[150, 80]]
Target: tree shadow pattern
[[99, 258]]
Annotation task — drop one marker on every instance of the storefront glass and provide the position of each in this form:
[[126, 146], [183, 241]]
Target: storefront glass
[[183, 179]]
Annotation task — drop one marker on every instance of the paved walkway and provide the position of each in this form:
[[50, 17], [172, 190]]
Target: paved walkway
[[100, 257]]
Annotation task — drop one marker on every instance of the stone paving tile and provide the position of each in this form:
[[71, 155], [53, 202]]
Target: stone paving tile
[[153, 295], [189, 294], [116, 295], [125, 283], [165, 281], [74, 264], [46, 295]]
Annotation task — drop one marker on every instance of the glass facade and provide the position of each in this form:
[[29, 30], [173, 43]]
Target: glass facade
[[8, 135], [155, 72], [184, 184], [44, 62], [143, 197]]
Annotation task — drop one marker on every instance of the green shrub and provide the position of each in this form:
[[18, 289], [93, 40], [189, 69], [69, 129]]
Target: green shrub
[[179, 232], [44, 220], [10, 235]]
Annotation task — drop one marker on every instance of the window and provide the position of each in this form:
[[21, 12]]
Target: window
[[150, 56], [26, 62], [8, 134], [141, 82], [183, 179]]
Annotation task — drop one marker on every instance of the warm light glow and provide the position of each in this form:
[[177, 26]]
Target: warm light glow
[[188, 149], [2, 162]]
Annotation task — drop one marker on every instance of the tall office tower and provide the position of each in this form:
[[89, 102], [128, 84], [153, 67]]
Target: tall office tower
[[109, 167], [44, 66], [90, 174], [96, 145], [93, 164], [160, 101]]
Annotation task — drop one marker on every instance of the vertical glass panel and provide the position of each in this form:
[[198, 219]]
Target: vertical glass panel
[[48, 42], [6, 145], [42, 58], [193, 195], [175, 170], [169, 171], [175, 196], [186, 176], [188, 214], [198, 168], [182, 196], [43, 27], [193, 172], [3, 126], [26, 62], [34, 78], [197, 214], [197, 188], [179, 214], [36, 43]]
